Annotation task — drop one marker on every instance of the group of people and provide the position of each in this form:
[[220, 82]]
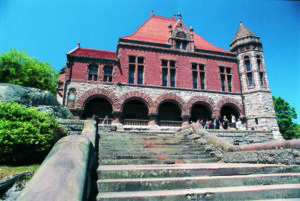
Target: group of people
[[218, 124]]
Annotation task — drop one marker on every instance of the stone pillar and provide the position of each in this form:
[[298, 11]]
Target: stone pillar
[[153, 119], [186, 119], [153, 124], [117, 119]]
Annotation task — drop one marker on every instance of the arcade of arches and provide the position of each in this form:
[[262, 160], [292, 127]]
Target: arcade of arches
[[170, 110]]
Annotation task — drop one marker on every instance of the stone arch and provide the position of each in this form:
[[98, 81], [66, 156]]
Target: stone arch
[[199, 99], [168, 97], [136, 95], [231, 102], [98, 93]]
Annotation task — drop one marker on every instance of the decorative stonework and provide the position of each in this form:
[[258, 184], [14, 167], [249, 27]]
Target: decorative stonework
[[209, 103], [169, 97], [97, 92], [136, 95], [118, 95]]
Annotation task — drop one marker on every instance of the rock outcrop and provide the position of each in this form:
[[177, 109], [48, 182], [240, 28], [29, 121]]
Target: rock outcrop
[[43, 101]]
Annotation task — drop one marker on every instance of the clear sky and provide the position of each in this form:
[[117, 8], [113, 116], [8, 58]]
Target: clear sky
[[49, 29]]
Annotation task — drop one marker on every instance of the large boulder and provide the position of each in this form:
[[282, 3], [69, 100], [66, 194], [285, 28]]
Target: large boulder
[[31, 97]]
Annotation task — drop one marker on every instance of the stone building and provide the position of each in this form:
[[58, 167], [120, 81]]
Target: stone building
[[165, 74]]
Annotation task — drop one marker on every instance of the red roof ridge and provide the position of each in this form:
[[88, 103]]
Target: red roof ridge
[[97, 49], [89, 52], [163, 17], [152, 16]]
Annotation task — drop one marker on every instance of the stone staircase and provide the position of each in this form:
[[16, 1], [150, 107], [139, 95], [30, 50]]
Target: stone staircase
[[164, 166]]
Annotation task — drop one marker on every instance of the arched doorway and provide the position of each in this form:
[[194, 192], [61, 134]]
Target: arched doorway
[[169, 111], [99, 107], [201, 112], [135, 109], [228, 110]]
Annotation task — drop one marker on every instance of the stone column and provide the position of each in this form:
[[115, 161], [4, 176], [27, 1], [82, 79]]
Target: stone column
[[117, 119], [186, 119], [153, 124]]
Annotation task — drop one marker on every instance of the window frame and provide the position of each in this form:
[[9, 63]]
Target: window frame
[[168, 72], [93, 75], [199, 68], [107, 77]]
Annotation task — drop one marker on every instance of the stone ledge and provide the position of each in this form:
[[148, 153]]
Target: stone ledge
[[284, 151], [66, 172]]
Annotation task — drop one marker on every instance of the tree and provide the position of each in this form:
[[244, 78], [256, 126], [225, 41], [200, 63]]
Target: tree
[[285, 115], [26, 135], [16, 67]]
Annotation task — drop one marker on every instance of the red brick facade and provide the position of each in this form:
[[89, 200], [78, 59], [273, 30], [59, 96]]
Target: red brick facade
[[163, 67]]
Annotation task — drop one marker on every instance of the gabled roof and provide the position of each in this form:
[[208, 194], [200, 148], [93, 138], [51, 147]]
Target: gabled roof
[[94, 53], [243, 32], [156, 30]]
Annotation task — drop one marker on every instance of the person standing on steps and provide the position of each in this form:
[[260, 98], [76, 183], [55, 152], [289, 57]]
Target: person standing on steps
[[233, 121], [217, 123], [225, 122]]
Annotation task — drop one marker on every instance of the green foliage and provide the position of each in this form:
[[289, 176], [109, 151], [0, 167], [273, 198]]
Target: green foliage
[[25, 134], [16, 67], [297, 135], [285, 115]]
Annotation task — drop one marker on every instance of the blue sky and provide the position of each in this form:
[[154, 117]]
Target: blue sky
[[49, 29]]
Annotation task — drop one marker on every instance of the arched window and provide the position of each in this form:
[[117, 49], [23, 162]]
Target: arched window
[[258, 63], [107, 73], [93, 71], [181, 35], [247, 63]]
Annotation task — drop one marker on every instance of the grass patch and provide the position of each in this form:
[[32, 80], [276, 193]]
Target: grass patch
[[7, 170]]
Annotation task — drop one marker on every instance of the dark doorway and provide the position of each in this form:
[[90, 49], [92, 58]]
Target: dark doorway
[[135, 109], [169, 111], [227, 110], [201, 112], [99, 107]]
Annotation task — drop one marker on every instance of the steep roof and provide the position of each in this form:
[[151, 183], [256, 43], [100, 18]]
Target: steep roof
[[243, 32], [94, 53], [156, 30]]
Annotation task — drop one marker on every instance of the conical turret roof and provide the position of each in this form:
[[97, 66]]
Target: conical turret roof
[[243, 32]]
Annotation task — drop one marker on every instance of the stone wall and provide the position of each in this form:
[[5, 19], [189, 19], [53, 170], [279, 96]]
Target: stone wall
[[243, 137], [73, 126], [119, 93], [274, 152]]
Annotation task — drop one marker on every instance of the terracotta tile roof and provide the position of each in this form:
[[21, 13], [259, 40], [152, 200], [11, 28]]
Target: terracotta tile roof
[[242, 32], [94, 53], [156, 30]]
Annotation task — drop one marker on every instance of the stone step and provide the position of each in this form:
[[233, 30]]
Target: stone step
[[277, 191], [190, 170], [137, 138], [148, 145], [151, 147], [145, 152], [154, 161], [143, 156], [153, 184], [132, 142]]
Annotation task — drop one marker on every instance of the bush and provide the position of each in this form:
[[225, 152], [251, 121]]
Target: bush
[[25, 134]]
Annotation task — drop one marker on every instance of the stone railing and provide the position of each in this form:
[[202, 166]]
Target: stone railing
[[136, 122], [66, 172], [240, 137], [74, 126], [170, 123], [283, 151]]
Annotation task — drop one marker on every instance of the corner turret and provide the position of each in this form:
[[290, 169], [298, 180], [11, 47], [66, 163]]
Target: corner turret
[[257, 97]]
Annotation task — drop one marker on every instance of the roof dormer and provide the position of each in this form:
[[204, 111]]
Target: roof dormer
[[181, 37]]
